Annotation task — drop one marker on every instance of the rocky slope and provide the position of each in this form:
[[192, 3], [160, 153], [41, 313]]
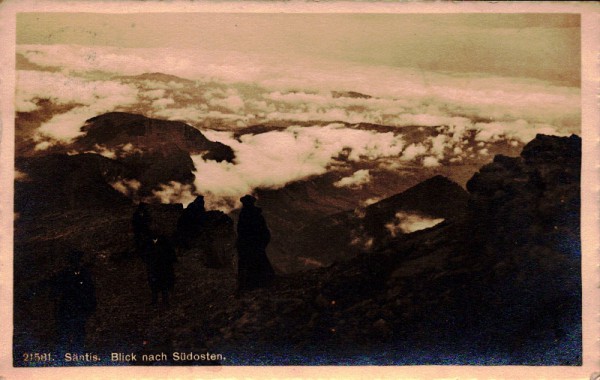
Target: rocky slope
[[498, 284], [364, 229], [58, 182], [147, 152]]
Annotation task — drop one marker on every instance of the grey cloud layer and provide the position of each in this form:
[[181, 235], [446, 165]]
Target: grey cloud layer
[[416, 92]]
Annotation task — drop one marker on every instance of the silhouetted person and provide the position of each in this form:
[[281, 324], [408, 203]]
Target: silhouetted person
[[141, 222], [191, 222], [253, 236], [76, 294], [210, 232], [159, 257], [219, 241]]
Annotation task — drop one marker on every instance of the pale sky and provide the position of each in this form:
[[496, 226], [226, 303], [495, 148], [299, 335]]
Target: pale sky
[[540, 46]]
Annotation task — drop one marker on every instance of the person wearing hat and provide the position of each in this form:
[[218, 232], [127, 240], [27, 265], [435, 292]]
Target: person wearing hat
[[253, 236], [75, 292]]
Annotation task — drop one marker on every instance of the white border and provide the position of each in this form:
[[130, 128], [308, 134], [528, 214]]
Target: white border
[[590, 185]]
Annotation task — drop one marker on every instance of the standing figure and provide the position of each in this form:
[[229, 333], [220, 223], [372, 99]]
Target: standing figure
[[75, 292], [253, 236], [159, 257], [141, 222], [220, 239], [191, 222]]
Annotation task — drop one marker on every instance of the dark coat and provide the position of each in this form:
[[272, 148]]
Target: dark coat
[[253, 235], [191, 224], [254, 267], [159, 257], [76, 294], [191, 220], [141, 222]]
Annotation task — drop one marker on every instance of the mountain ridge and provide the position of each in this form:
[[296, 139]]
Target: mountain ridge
[[362, 229], [120, 128]]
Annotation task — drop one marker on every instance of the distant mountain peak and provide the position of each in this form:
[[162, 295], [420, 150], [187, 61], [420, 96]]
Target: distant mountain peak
[[438, 180], [347, 233], [437, 196], [349, 94], [157, 76], [115, 129]]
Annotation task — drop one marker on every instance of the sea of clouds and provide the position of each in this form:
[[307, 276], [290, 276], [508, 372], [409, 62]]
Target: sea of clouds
[[226, 91]]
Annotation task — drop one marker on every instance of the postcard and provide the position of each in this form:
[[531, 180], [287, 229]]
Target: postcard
[[299, 190]]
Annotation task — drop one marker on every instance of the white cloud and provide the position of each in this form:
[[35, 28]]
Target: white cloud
[[233, 90], [430, 162], [413, 151], [128, 149], [153, 94], [370, 201], [438, 144], [518, 108], [301, 98], [233, 103], [91, 97], [103, 151], [43, 145], [276, 158], [359, 178], [162, 103], [66, 126], [190, 114], [128, 187], [68, 89], [24, 105], [406, 223], [362, 241], [122, 150], [328, 114], [21, 176], [520, 130], [425, 120], [412, 97], [175, 192]]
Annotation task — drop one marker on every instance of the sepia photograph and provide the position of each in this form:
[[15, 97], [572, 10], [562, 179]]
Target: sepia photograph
[[297, 189]]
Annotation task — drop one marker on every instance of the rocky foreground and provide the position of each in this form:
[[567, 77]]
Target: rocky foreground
[[498, 284]]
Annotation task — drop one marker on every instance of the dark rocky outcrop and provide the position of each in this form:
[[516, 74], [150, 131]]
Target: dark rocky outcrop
[[350, 94], [116, 129], [505, 278], [150, 151], [532, 198], [58, 182], [343, 235]]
